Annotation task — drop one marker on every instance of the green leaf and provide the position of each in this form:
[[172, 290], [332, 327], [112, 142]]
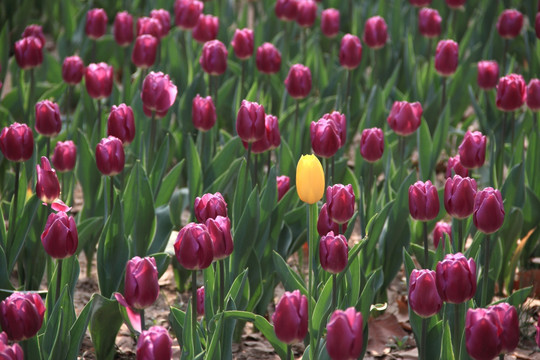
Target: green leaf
[[105, 322], [447, 351], [88, 174], [160, 164], [425, 148], [24, 225], [290, 279], [78, 330], [88, 229], [194, 169], [57, 338], [169, 183]]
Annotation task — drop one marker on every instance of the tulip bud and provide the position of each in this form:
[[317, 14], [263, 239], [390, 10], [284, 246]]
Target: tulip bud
[[242, 43], [446, 57], [340, 200], [291, 317], [121, 123], [508, 319], [298, 81], [511, 92], [149, 26], [423, 201], [472, 151], [200, 300], [488, 74], [250, 121], [488, 214], [533, 95], [372, 144], [96, 23], [405, 117], [210, 206], [510, 23], [375, 32], [64, 156], [29, 52], [325, 224], [21, 315], [220, 233], [420, 3], [344, 339], [213, 58], [330, 22], [193, 247], [455, 4], [13, 352], [36, 31], [158, 94], [350, 52], [283, 185], [144, 51], [286, 10], [306, 13], [271, 139], [123, 28], [423, 296], [325, 140], [454, 166], [429, 22], [440, 229], [206, 28], [203, 113], [456, 278], [459, 196], [482, 331], [333, 253], [187, 13], [154, 344], [47, 185], [60, 238], [17, 142], [72, 70], [48, 122], [340, 120], [164, 19], [141, 288], [309, 179], [99, 80], [268, 59], [110, 156]]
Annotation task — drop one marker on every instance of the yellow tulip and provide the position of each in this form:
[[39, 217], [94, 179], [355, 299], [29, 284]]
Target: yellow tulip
[[309, 179]]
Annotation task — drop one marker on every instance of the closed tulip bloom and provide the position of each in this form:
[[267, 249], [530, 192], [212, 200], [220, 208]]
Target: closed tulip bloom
[[210, 206], [455, 4], [110, 156], [158, 94], [372, 144], [164, 18], [309, 179], [213, 58], [440, 229], [508, 319], [271, 139], [537, 338], [121, 123], [488, 215], [344, 339], [72, 70], [340, 200], [420, 3], [21, 315], [7, 352], [154, 344], [193, 247], [510, 23], [350, 52], [459, 196], [472, 150], [446, 57], [325, 224], [375, 32], [47, 185], [29, 52], [286, 10], [64, 156], [488, 74], [99, 80], [48, 122], [333, 253], [17, 142], [200, 300], [141, 287], [306, 13], [423, 296], [283, 185], [268, 59], [405, 117], [96, 23], [36, 31], [423, 201], [242, 43], [511, 92], [429, 22], [123, 28], [291, 317], [454, 166], [250, 121], [60, 238], [482, 334], [533, 95], [149, 26], [206, 28], [330, 22], [220, 233], [341, 123], [456, 278], [298, 81], [187, 12], [144, 51], [537, 25], [325, 140], [203, 113]]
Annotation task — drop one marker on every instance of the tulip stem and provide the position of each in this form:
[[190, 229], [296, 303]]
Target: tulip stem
[[333, 165], [67, 101], [289, 352], [443, 99], [193, 308], [30, 96], [457, 328], [501, 356], [15, 197], [143, 327], [348, 94], [513, 125], [48, 146], [112, 193], [99, 117], [334, 291], [222, 284], [297, 110], [460, 235], [248, 165], [485, 273], [242, 78], [506, 43], [426, 248], [501, 151], [58, 279], [269, 162], [312, 279], [152, 140], [351, 16], [105, 200], [423, 339]]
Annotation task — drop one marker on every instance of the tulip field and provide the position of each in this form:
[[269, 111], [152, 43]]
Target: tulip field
[[334, 179]]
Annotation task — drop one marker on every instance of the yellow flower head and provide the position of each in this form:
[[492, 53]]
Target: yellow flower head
[[309, 179]]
